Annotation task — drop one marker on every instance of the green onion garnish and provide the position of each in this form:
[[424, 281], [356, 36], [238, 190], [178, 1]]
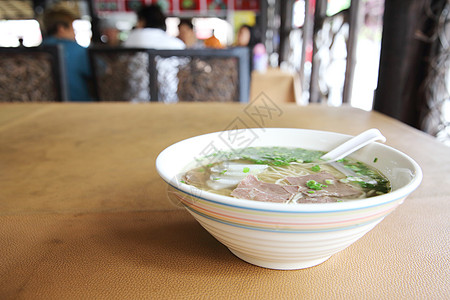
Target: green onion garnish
[[315, 168], [314, 185]]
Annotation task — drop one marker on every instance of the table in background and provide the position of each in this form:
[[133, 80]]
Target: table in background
[[84, 215]]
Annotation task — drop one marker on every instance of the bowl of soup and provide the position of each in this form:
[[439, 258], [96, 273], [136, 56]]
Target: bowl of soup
[[269, 198]]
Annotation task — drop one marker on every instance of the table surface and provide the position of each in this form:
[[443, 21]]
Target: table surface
[[84, 215]]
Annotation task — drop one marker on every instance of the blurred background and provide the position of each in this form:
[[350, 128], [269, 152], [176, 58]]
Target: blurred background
[[333, 47], [101, 19]]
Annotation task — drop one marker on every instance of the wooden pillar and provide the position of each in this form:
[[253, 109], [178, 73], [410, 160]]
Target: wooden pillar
[[285, 27], [355, 21], [307, 34], [319, 17], [404, 59], [96, 35], [263, 19]]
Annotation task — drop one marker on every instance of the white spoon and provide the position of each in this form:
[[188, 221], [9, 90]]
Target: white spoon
[[353, 144], [350, 146]]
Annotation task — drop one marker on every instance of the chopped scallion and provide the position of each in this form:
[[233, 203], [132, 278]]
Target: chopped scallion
[[315, 168], [314, 185]]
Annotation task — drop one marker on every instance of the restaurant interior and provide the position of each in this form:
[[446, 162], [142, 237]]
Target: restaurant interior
[[85, 211], [331, 52]]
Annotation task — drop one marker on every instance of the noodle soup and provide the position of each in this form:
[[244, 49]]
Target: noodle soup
[[285, 175]]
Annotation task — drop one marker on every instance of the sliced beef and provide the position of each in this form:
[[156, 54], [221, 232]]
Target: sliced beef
[[336, 189], [253, 189]]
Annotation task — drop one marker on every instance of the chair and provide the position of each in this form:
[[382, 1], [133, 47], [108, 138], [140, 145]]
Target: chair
[[32, 74], [220, 75], [120, 74], [123, 74]]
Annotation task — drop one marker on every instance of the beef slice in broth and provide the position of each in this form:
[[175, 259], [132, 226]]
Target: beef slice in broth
[[252, 189], [333, 189]]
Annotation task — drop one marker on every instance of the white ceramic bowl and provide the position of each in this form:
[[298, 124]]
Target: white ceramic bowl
[[279, 235]]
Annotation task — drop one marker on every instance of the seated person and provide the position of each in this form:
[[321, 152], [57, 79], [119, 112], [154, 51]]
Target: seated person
[[110, 34], [250, 36], [187, 34], [213, 42], [150, 33], [59, 30]]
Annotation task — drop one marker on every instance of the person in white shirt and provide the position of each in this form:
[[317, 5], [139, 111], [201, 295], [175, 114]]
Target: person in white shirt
[[150, 33]]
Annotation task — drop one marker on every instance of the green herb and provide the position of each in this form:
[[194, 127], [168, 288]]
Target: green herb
[[223, 171], [329, 181], [311, 192], [314, 185], [246, 170], [355, 168], [381, 185], [182, 181], [275, 156], [375, 159], [315, 168]]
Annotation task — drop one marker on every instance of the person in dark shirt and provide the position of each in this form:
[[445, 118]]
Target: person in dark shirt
[[59, 30]]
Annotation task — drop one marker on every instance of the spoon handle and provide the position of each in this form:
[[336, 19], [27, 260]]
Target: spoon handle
[[354, 144]]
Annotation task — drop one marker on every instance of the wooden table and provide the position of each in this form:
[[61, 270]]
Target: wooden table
[[84, 215]]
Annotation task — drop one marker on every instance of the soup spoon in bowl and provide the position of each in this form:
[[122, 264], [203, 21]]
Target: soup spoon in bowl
[[353, 144], [350, 146]]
